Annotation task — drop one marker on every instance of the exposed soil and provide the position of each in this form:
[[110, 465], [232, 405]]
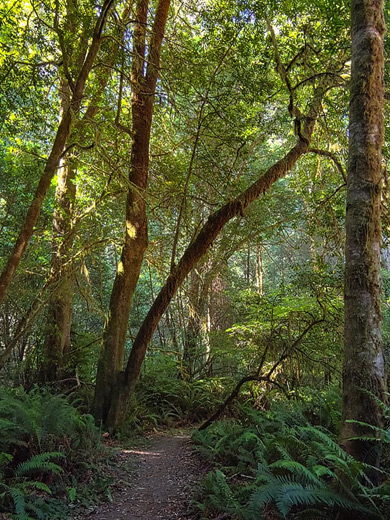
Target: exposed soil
[[161, 481]]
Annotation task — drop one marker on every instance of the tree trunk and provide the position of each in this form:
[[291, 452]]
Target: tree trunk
[[126, 381], [364, 365], [55, 154], [259, 271], [60, 306], [194, 326], [59, 318], [136, 235]]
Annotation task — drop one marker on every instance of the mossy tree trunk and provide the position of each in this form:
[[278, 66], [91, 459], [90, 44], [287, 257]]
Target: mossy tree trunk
[[144, 76], [196, 330], [60, 307], [59, 317], [364, 365]]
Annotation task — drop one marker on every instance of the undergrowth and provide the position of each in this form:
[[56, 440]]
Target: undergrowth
[[45, 443], [275, 464], [163, 399]]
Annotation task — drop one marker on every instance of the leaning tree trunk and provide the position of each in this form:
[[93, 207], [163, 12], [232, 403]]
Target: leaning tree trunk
[[55, 154], [144, 83], [364, 365], [126, 381]]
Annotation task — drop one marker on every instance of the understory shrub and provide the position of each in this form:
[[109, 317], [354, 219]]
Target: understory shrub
[[162, 398]]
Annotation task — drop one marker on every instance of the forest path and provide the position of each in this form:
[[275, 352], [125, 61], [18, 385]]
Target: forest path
[[161, 479]]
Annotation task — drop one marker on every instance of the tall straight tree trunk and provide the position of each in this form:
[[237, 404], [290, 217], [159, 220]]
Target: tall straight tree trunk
[[197, 331], [364, 365], [144, 79], [125, 383], [53, 160], [193, 328]]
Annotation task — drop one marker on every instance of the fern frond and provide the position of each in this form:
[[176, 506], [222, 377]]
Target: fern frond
[[6, 457], [323, 471], [37, 485], [282, 451], [18, 498], [40, 463], [323, 439], [261, 498], [287, 495], [301, 472]]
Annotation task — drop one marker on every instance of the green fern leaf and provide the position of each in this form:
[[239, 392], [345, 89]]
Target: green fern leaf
[[38, 485], [40, 463], [299, 470], [19, 501]]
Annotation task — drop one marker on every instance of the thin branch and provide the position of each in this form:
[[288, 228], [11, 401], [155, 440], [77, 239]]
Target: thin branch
[[333, 157], [316, 76], [327, 199]]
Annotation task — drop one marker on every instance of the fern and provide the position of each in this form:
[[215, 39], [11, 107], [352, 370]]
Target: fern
[[287, 494], [18, 497], [40, 463], [217, 495], [39, 430], [296, 468], [40, 486]]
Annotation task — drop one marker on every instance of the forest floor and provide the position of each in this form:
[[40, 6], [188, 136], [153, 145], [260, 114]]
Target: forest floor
[[157, 481]]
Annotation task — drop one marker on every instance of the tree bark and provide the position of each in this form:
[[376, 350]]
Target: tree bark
[[126, 381], [60, 305], [55, 154], [364, 364], [136, 235]]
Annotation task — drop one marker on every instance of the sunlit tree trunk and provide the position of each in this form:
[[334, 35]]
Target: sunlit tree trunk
[[60, 305], [59, 318], [364, 365], [144, 78]]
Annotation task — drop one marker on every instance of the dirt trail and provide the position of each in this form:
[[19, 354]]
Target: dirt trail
[[161, 483]]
